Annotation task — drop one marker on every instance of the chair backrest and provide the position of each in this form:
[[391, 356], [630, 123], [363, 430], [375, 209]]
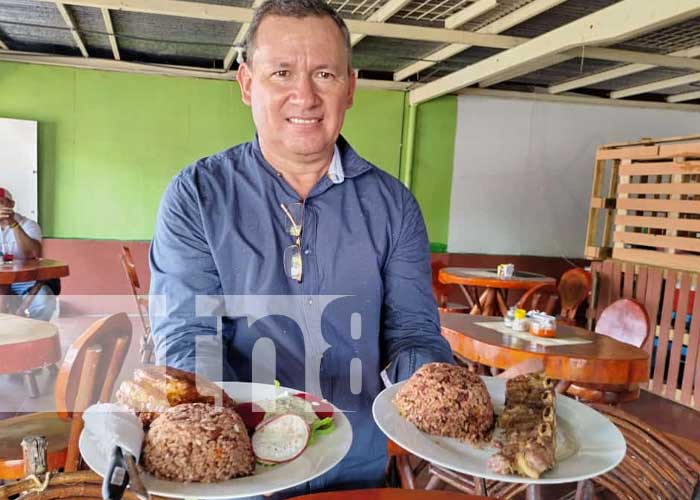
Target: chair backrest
[[542, 298], [130, 269], [625, 320], [654, 466], [574, 286], [672, 302], [88, 373]]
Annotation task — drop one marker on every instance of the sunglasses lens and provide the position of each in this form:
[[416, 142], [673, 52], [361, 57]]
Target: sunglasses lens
[[292, 262]]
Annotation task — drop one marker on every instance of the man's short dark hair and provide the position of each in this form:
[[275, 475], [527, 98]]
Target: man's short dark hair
[[298, 9]]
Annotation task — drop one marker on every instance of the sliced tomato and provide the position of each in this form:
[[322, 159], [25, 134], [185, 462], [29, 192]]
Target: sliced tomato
[[251, 413], [323, 409]]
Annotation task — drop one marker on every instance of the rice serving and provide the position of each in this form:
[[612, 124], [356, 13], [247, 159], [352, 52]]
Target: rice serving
[[447, 400], [198, 442]]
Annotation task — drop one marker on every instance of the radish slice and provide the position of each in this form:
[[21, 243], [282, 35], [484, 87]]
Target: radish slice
[[280, 439], [251, 413], [322, 408]]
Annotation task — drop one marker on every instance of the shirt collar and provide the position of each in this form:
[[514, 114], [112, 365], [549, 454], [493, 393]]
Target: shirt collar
[[335, 172], [350, 163]]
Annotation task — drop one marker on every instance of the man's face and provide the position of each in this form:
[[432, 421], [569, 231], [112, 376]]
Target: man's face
[[5, 203], [298, 85]]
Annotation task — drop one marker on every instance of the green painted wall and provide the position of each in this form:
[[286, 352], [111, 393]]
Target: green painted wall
[[110, 142], [433, 157]]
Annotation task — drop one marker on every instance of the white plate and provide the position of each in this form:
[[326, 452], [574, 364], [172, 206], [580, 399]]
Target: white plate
[[317, 459], [588, 444]]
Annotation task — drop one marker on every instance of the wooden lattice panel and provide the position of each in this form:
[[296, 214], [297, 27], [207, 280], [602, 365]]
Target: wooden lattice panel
[[650, 207], [672, 301]]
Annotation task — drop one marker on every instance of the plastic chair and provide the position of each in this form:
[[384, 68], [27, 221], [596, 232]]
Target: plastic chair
[[542, 298], [86, 376], [625, 320], [146, 342], [574, 286]]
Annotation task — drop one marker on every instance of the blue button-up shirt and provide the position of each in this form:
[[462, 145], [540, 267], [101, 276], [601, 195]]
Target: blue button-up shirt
[[365, 301]]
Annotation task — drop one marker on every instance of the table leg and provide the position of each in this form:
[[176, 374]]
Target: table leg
[[502, 306], [585, 490], [29, 298], [478, 308], [4, 292], [534, 492], [489, 304], [30, 384], [480, 486], [470, 300]]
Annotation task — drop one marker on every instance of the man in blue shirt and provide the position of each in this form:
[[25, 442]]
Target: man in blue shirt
[[322, 257]]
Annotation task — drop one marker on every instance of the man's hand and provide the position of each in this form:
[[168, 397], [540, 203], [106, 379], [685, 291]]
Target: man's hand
[[7, 216]]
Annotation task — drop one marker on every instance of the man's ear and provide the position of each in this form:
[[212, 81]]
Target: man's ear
[[244, 76], [351, 89]]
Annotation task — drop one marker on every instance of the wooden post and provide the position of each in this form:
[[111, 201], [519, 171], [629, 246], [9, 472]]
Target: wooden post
[[34, 455]]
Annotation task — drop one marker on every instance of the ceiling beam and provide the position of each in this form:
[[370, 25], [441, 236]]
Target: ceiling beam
[[578, 99], [212, 12], [617, 22], [602, 53], [382, 14], [110, 30], [73, 31], [611, 74], [687, 96], [238, 41], [516, 17], [155, 69], [468, 13], [654, 86]]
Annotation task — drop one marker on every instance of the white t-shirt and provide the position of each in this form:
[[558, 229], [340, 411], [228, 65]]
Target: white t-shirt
[[8, 244]]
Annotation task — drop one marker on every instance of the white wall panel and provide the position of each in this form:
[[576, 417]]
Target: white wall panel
[[523, 170], [18, 164]]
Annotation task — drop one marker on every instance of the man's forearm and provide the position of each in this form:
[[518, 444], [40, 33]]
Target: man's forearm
[[31, 248]]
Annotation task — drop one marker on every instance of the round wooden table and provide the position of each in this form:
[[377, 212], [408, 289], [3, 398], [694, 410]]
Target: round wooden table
[[26, 344], [389, 494], [492, 301], [604, 360], [39, 270]]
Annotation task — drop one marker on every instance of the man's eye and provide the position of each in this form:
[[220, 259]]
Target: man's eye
[[325, 75], [281, 73]]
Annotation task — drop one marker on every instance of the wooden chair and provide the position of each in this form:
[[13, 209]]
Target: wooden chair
[[625, 320], [146, 342], [87, 375], [80, 485], [543, 298], [574, 287], [653, 467]]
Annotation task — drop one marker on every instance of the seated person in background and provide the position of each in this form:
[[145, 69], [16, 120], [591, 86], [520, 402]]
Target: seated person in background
[[21, 237]]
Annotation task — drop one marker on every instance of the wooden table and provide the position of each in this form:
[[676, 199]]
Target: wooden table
[[39, 270], [602, 361], [389, 494], [27, 344], [492, 301]]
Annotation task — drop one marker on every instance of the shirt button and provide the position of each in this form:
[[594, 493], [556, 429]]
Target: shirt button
[[311, 301], [307, 251]]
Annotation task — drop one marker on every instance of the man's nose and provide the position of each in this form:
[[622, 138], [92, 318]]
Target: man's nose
[[305, 91]]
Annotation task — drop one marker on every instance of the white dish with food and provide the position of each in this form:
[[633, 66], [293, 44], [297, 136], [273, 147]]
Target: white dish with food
[[316, 459], [587, 443]]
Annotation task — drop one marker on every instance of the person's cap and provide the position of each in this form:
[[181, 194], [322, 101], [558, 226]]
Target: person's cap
[[4, 193]]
